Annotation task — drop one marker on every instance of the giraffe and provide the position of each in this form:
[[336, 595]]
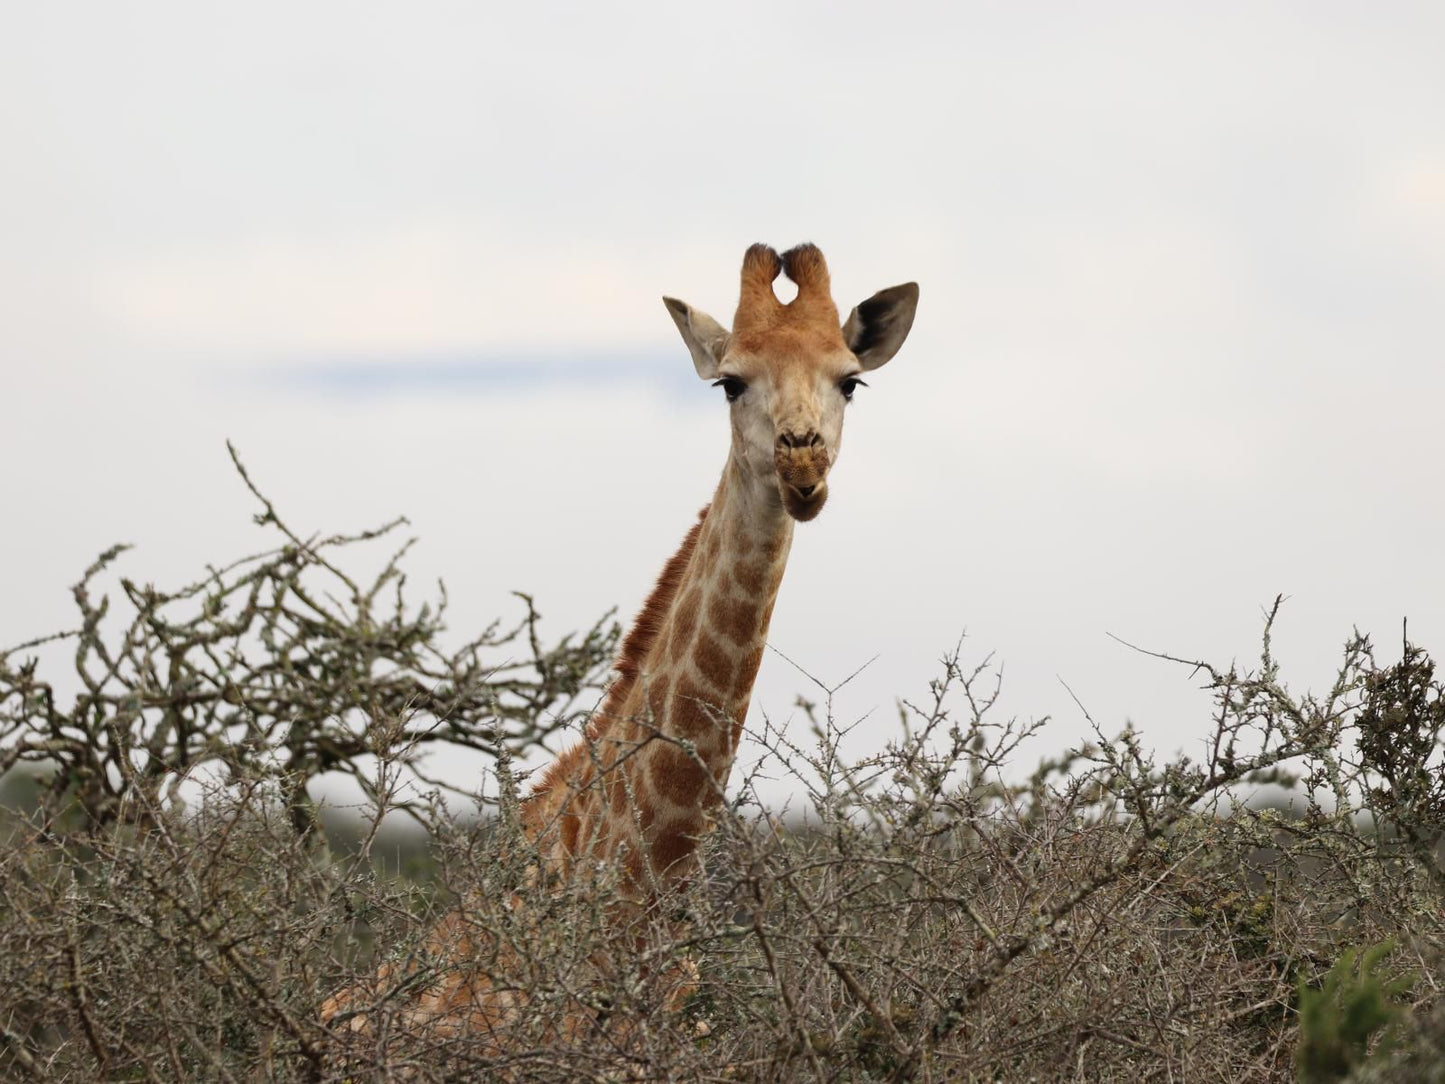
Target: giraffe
[[636, 793]]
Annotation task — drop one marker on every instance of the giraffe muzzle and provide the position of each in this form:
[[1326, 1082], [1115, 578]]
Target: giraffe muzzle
[[802, 477]]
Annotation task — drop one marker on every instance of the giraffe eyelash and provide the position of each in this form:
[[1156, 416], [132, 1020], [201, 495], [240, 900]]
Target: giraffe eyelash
[[732, 387]]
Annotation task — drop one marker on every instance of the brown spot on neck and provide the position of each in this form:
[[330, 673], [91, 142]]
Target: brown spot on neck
[[734, 619], [751, 576], [713, 662], [747, 674], [673, 846], [680, 779], [701, 715]]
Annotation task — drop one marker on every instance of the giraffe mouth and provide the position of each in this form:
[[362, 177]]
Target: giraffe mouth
[[802, 473], [804, 502]]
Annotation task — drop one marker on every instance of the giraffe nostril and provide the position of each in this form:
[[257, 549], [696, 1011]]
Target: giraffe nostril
[[806, 491], [811, 439]]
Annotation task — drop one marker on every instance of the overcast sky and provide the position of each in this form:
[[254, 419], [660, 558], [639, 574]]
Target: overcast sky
[[1179, 347]]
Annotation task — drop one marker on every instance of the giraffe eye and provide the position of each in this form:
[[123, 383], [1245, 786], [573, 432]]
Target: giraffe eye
[[732, 387], [848, 385]]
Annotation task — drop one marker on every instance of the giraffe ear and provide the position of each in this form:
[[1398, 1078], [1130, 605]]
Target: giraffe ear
[[876, 328], [706, 339]]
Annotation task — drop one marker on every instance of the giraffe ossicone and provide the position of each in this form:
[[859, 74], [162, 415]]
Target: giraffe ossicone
[[637, 790]]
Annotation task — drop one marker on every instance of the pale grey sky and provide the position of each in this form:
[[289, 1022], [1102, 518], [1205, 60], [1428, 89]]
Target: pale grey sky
[[1178, 350]]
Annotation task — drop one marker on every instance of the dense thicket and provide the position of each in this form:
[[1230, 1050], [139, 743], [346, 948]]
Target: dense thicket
[[171, 908]]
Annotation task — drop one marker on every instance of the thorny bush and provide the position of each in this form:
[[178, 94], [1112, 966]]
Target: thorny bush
[[929, 913], [279, 666]]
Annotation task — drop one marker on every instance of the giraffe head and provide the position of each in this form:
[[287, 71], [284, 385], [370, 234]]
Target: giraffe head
[[789, 370]]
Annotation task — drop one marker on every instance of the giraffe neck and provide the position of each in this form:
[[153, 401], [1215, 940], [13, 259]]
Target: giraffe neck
[[696, 681], [698, 676], [661, 745]]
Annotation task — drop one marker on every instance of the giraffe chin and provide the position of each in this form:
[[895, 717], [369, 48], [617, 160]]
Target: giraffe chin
[[803, 508]]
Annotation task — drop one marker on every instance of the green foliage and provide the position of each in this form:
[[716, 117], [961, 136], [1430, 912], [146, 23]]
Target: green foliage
[[1352, 1008], [1400, 729]]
